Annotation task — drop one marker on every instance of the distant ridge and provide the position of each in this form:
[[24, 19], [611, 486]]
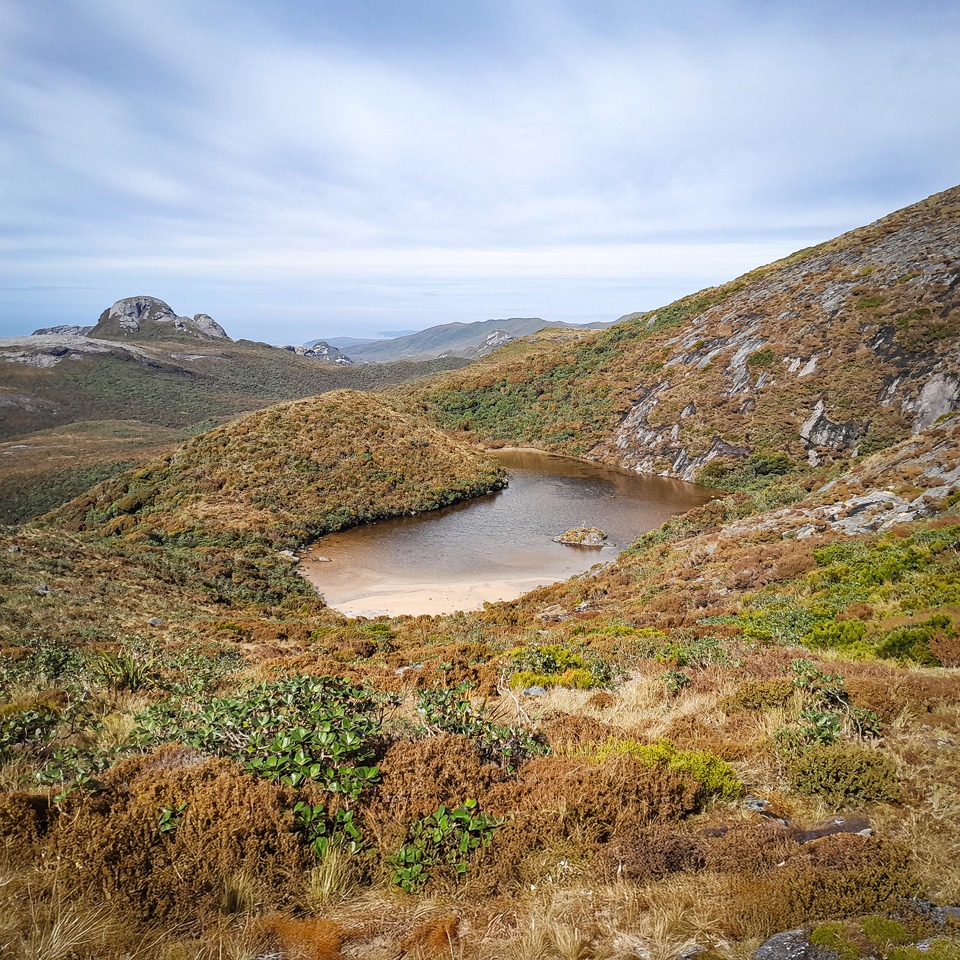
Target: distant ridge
[[469, 340]]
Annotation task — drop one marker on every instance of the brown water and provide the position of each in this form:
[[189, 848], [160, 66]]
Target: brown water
[[498, 546]]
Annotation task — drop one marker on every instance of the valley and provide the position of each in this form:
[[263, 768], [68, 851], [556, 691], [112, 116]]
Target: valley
[[745, 725]]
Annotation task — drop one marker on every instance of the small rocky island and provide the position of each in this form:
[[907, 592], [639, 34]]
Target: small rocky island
[[582, 537]]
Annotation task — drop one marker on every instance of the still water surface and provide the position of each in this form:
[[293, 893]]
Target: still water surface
[[498, 546]]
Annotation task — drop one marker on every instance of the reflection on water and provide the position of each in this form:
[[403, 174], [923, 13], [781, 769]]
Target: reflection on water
[[498, 546]]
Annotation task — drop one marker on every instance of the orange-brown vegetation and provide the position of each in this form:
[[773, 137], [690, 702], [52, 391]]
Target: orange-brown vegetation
[[754, 666]]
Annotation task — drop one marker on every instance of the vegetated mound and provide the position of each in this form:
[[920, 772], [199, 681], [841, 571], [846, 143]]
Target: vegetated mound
[[290, 473], [842, 348]]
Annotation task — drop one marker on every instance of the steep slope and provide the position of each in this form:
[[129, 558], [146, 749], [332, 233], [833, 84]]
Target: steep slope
[[289, 473], [833, 351]]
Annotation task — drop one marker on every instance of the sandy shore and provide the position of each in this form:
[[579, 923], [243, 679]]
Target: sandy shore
[[397, 599]]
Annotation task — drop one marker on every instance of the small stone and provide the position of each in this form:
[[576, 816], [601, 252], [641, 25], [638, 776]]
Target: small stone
[[155, 622], [13, 549], [553, 612], [400, 671], [323, 560], [535, 691], [792, 945], [42, 590]]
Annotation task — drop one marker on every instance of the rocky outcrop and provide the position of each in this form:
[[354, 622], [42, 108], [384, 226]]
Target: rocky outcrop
[[67, 329], [49, 349], [832, 351], [818, 430], [320, 350], [498, 338], [148, 317]]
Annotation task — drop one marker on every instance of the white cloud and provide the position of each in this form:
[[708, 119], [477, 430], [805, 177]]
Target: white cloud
[[177, 141]]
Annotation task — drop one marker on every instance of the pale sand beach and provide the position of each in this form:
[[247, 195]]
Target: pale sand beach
[[398, 599]]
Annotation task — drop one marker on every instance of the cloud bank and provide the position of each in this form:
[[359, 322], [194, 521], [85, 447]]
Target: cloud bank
[[300, 170]]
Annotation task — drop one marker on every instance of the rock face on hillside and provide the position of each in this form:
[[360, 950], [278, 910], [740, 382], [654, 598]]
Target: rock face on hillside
[[48, 349], [67, 329], [148, 317], [828, 354], [320, 350]]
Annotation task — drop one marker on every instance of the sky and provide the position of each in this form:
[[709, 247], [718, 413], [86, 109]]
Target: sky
[[318, 168]]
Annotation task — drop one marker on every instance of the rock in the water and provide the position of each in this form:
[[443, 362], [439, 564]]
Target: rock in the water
[[582, 537]]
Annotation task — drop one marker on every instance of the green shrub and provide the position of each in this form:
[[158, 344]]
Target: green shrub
[[836, 635], [554, 665], [762, 358], [845, 774], [714, 776]]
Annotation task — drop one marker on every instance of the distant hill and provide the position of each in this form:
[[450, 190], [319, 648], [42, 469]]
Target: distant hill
[[469, 340], [342, 343], [164, 377]]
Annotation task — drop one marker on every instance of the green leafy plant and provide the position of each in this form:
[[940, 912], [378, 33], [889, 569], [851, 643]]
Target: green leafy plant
[[169, 817], [448, 711], [826, 714], [675, 681], [445, 839], [123, 670], [325, 832], [292, 731]]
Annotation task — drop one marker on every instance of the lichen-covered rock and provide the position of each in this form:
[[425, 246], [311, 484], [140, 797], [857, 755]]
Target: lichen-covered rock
[[792, 945], [582, 537]]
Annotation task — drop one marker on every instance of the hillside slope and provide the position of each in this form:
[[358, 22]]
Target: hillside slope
[[839, 349], [287, 474]]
